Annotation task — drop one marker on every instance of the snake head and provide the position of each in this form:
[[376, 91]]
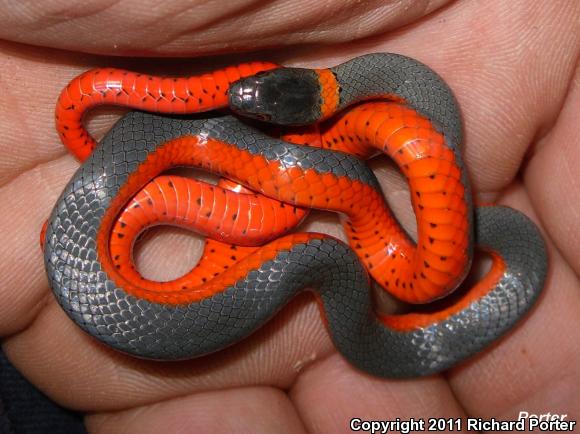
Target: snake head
[[284, 96]]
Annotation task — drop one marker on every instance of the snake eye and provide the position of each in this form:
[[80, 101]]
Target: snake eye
[[263, 117], [261, 74]]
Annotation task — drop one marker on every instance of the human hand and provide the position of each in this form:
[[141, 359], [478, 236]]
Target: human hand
[[513, 71]]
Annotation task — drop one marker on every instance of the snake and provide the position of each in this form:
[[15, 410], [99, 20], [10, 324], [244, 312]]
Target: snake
[[256, 262]]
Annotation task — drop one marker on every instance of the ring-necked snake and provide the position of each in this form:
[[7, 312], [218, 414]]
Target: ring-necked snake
[[375, 103]]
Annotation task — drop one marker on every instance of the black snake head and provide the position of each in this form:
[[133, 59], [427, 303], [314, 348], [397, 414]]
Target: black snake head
[[284, 96]]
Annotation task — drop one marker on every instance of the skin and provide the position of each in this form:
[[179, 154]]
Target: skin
[[515, 72]]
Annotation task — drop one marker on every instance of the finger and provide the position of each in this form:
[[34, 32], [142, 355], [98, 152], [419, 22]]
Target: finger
[[552, 179], [331, 392], [186, 28], [248, 410], [27, 201], [520, 373], [32, 79], [78, 372], [27, 111]]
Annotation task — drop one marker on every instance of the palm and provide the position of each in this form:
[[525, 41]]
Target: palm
[[513, 71]]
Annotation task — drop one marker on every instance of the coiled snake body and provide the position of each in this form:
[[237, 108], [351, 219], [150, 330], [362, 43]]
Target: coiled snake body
[[240, 282]]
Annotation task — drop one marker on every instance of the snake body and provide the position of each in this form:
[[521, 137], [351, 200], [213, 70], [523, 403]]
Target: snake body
[[203, 313]]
